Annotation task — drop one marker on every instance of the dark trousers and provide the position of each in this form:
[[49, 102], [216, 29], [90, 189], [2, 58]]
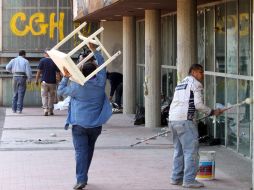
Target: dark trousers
[[119, 93], [84, 140]]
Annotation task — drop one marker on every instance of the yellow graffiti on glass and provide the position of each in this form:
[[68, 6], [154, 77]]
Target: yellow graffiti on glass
[[244, 31], [31, 86], [37, 19], [14, 29], [86, 31], [59, 25], [233, 24]]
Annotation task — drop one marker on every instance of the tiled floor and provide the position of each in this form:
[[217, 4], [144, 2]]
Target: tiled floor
[[27, 165]]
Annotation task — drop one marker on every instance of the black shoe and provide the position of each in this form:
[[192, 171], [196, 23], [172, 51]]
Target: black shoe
[[50, 111], [80, 186]]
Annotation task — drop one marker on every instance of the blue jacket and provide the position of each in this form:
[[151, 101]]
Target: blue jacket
[[89, 105]]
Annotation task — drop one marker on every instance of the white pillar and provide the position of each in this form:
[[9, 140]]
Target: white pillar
[[252, 144], [152, 68], [1, 27], [129, 65], [1, 91], [186, 36]]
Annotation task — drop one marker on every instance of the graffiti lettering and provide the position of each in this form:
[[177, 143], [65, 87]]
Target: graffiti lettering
[[33, 87], [244, 29], [86, 31], [233, 24], [36, 24]]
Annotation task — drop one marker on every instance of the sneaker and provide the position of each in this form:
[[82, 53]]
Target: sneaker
[[176, 182], [46, 113], [51, 113], [19, 112], [194, 184], [80, 186]]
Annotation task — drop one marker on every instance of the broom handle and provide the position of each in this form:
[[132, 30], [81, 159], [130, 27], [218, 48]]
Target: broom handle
[[139, 142]]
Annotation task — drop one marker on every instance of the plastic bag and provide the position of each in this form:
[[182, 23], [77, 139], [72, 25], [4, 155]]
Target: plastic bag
[[62, 105]]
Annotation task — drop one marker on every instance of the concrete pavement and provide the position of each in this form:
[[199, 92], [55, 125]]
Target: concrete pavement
[[31, 158]]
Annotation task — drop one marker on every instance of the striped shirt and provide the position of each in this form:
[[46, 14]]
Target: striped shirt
[[187, 99]]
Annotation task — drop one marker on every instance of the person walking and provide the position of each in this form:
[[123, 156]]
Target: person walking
[[21, 71], [49, 71], [89, 109], [116, 84], [187, 99]]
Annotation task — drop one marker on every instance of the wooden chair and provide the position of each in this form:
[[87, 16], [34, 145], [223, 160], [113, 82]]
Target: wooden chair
[[62, 59]]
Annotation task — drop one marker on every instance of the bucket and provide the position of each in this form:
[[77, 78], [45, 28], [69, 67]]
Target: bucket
[[206, 169]]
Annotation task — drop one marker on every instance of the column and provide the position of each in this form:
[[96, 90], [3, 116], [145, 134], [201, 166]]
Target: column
[[129, 65], [252, 144], [1, 25], [186, 36], [152, 68]]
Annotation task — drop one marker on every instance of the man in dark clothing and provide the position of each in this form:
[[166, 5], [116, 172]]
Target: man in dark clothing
[[116, 83], [49, 70]]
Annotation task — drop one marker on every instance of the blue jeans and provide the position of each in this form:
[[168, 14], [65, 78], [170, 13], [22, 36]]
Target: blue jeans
[[84, 140], [19, 90], [186, 145]]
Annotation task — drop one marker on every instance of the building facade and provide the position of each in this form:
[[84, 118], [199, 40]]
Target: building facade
[[161, 39]]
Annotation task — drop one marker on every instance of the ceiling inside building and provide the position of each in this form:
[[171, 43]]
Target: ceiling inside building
[[116, 11]]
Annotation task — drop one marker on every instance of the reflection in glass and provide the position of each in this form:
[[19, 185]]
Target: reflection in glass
[[168, 40], [140, 42], [232, 37], [244, 117], [231, 87], [220, 102], [209, 45], [141, 61], [209, 100], [169, 78], [220, 38], [140, 90], [244, 38], [201, 37]]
